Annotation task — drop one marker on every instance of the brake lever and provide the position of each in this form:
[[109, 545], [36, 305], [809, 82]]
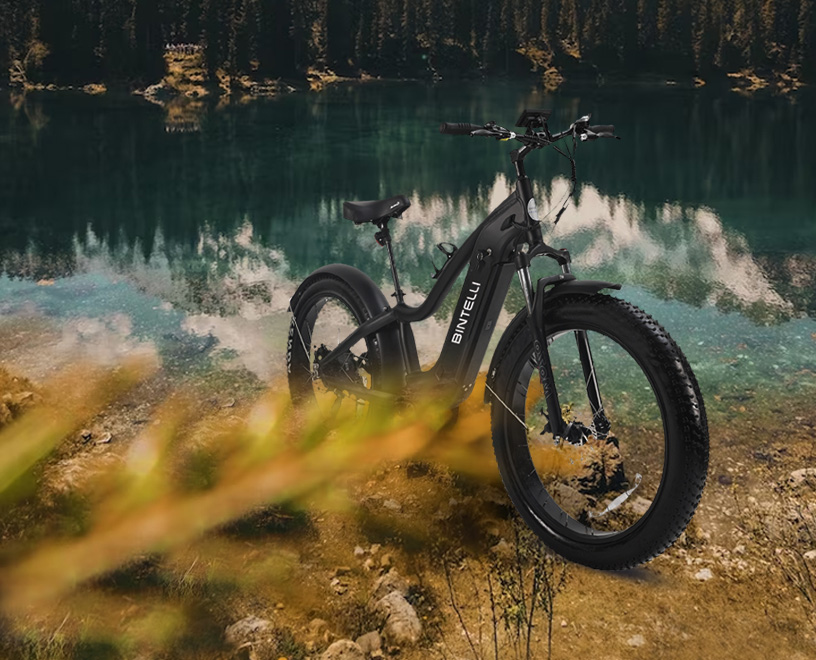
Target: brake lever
[[589, 135]]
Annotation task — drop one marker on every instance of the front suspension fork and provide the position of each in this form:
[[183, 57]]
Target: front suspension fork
[[541, 354], [600, 423]]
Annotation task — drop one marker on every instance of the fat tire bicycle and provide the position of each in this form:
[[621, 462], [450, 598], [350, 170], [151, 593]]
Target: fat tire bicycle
[[606, 481]]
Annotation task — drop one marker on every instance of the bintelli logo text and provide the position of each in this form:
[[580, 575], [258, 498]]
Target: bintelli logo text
[[464, 315]]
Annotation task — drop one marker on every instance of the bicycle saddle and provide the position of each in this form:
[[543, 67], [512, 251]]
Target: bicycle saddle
[[361, 212]]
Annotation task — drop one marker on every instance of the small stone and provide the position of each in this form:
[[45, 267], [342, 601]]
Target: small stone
[[802, 476], [105, 439], [343, 649], [563, 623], [386, 561], [389, 583], [85, 434], [402, 625], [279, 606], [703, 575], [374, 549], [810, 555], [392, 505], [229, 403], [246, 630], [571, 500], [318, 632], [358, 551], [502, 549], [369, 564], [370, 642], [640, 505], [317, 626], [739, 550], [636, 641], [725, 480], [342, 570]]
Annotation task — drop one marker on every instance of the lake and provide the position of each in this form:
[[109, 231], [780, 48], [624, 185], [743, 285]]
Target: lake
[[127, 228]]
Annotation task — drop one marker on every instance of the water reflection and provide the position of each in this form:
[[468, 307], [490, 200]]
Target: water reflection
[[216, 228]]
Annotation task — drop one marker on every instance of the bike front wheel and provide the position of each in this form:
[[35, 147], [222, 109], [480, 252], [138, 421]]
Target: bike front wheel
[[627, 485]]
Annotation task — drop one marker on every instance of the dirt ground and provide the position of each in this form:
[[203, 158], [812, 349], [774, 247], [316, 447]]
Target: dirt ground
[[321, 559]]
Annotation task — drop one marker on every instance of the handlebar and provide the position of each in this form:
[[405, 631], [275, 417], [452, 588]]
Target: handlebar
[[602, 128], [579, 129], [458, 129]]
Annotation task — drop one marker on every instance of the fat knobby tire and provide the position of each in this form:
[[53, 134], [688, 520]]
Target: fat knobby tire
[[301, 387], [686, 450]]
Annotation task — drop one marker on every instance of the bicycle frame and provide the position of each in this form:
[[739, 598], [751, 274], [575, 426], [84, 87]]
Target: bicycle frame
[[493, 253]]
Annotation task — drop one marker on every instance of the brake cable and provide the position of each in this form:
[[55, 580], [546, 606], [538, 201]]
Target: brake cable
[[503, 135], [570, 155]]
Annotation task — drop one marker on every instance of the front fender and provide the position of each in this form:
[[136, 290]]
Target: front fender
[[560, 285]]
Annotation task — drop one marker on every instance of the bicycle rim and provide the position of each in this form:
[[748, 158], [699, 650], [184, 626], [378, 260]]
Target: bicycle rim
[[607, 483]]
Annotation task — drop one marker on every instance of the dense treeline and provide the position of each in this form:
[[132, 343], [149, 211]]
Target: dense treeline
[[82, 40]]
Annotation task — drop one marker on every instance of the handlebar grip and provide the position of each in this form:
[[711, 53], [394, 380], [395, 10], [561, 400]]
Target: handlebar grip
[[458, 129], [602, 128]]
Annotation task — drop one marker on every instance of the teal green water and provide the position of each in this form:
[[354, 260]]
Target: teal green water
[[188, 245]]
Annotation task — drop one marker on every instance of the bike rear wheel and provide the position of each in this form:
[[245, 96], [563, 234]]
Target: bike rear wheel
[[619, 496], [328, 311]]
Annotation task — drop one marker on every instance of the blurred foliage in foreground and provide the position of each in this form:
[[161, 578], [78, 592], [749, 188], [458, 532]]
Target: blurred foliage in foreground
[[185, 474]]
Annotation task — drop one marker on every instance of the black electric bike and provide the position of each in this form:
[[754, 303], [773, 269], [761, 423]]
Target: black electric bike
[[607, 481]]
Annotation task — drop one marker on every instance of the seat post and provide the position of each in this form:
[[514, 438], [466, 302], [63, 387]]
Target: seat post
[[384, 238]]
